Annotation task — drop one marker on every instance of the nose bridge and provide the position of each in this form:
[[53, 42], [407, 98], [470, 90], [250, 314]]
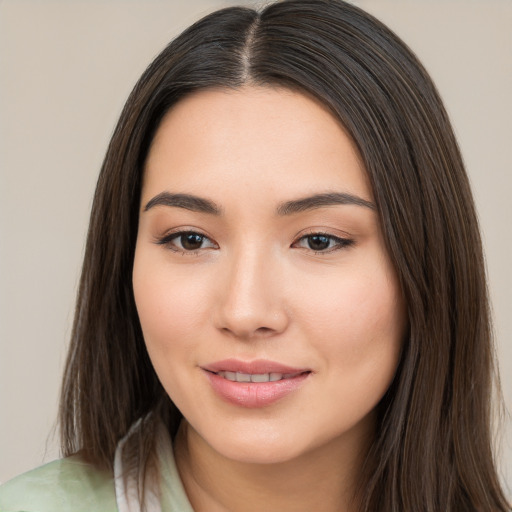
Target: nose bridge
[[252, 302]]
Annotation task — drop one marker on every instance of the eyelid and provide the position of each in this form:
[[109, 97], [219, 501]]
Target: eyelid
[[167, 239], [342, 242]]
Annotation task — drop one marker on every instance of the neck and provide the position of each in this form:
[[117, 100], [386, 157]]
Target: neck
[[326, 475]]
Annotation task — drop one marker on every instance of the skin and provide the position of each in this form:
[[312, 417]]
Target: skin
[[255, 289]]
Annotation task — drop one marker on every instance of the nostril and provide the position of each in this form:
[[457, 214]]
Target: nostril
[[260, 332], [264, 330]]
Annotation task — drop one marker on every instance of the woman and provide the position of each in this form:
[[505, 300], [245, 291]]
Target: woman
[[283, 302]]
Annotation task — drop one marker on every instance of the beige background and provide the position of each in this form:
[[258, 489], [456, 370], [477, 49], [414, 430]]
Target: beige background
[[66, 68]]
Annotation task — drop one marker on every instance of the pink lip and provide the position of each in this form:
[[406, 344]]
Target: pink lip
[[254, 394]]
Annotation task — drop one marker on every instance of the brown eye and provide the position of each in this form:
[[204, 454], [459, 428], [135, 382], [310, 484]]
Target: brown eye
[[323, 243], [187, 242], [318, 242], [191, 241]]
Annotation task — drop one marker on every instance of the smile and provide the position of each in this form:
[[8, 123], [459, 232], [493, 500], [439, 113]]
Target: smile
[[254, 384], [256, 377]]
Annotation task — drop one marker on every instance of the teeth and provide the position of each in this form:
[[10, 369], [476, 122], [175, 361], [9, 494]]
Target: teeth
[[263, 377], [256, 377]]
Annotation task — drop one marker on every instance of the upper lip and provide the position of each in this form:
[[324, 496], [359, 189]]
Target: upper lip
[[258, 366]]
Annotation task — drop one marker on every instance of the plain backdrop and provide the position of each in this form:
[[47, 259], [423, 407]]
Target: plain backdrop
[[66, 68]]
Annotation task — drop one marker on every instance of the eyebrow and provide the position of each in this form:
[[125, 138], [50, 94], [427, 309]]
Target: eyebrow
[[202, 205], [321, 201], [186, 201]]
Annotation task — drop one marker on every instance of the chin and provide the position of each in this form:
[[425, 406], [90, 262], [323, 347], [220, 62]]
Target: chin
[[259, 454], [256, 445]]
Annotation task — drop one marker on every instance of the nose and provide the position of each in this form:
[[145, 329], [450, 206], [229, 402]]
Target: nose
[[252, 297]]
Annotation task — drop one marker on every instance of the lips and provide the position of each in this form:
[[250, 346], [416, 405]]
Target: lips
[[256, 377], [254, 384], [258, 366]]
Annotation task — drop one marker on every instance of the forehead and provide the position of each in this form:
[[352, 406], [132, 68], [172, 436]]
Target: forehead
[[262, 140]]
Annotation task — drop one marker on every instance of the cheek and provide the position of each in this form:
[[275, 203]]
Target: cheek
[[357, 325], [358, 321], [169, 306], [171, 312]]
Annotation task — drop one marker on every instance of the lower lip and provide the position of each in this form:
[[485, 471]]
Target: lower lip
[[254, 394]]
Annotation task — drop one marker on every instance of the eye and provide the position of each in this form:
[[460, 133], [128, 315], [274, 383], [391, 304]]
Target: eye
[[187, 241], [322, 242]]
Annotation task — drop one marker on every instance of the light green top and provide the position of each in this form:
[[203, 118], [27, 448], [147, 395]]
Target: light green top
[[70, 485], [66, 484]]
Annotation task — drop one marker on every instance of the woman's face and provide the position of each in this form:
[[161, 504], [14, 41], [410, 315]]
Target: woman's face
[[268, 302]]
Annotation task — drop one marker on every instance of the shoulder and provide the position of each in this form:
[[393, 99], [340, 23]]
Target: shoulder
[[63, 485]]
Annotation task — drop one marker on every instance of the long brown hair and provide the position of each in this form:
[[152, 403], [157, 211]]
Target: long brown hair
[[433, 448]]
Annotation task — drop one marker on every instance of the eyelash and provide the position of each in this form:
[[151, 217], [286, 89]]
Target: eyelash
[[168, 240], [339, 243]]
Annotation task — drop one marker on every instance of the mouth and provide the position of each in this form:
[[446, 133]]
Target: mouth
[[235, 369], [257, 377], [254, 384]]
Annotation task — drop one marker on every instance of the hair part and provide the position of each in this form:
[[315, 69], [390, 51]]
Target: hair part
[[433, 449]]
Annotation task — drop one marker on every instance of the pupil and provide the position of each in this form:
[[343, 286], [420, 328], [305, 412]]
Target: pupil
[[191, 241], [318, 242]]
